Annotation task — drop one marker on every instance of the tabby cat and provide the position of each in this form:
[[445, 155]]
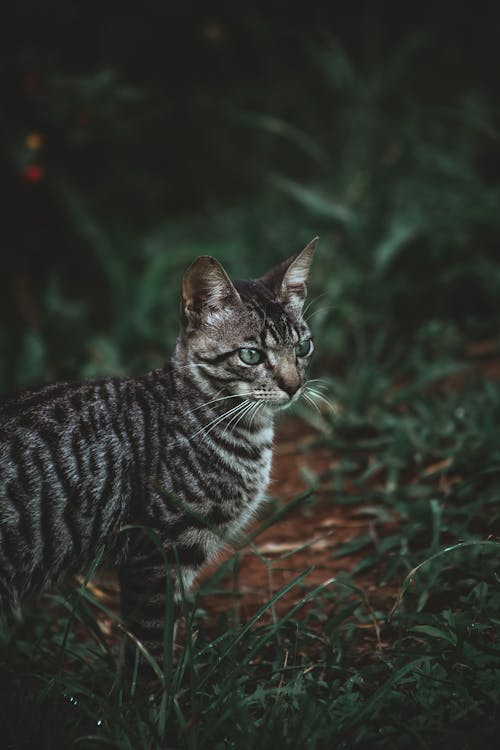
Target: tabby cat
[[185, 450]]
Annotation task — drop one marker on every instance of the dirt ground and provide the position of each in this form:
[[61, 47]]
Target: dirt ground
[[305, 537]]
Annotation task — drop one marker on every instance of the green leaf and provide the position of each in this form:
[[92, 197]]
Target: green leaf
[[314, 201], [397, 238], [435, 633], [279, 127], [354, 545]]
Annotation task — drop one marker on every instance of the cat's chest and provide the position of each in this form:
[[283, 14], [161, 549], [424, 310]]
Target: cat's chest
[[244, 478], [241, 504], [225, 479]]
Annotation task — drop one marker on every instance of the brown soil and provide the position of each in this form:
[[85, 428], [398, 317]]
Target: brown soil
[[306, 538]]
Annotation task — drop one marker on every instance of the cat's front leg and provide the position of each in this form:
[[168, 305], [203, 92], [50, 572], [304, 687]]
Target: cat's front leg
[[150, 608]]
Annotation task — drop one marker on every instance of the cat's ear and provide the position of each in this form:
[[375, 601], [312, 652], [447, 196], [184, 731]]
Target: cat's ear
[[289, 279], [206, 290]]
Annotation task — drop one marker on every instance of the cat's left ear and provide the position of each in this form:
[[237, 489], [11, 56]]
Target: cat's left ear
[[289, 279]]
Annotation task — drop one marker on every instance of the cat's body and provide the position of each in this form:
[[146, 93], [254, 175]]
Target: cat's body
[[185, 450], [79, 460]]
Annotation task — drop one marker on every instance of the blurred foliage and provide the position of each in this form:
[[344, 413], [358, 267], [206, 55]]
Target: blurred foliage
[[399, 192]]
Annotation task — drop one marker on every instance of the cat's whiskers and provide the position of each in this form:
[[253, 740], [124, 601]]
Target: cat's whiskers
[[220, 417], [258, 406], [213, 401], [244, 407], [311, 303], [310, 390], [316, 396], [253, 412], [321, 396], [238, 417], [319, 382], [320, 309], [311, 402]]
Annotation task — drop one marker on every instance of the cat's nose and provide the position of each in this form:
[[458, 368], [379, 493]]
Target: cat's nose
[[289, 386]]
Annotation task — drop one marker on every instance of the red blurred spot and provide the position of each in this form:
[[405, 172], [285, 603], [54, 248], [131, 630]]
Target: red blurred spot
[[33, 173]]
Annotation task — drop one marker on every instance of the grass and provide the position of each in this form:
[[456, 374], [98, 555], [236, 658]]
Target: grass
[[427, 675], [407, 280]]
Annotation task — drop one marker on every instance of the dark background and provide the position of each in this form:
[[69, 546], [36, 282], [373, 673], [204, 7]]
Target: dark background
[[165, 124]]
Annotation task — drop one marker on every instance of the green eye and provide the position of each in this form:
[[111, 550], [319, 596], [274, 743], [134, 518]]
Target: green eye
[[250, 356], [303, 348]]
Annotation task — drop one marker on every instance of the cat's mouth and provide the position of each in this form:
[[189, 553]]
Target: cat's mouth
[[289, 400], [277, 400]]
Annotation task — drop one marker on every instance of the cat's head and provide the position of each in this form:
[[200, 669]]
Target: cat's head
[[248, 337]]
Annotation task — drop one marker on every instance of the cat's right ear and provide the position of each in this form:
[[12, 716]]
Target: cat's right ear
[[289, 279], [206, 291]]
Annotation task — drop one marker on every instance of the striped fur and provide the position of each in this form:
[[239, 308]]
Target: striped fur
[[185, 450]]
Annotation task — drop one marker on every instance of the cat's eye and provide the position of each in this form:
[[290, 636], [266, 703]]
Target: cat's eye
[[250, 356], [303, 348]]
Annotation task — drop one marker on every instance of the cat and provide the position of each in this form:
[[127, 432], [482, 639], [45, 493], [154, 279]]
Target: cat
[[185, 450]]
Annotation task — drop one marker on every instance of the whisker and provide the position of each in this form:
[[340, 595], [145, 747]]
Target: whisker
[[311, 302], [311, 402], [314, 392], [253, 412], [214, 401], [315, 395], [218, 419], [213, 426], [239, 417], [315, 312], [244, 408], [318, 384], [256, 411]]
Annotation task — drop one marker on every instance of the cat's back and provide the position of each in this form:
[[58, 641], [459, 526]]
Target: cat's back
[[59, 403], [93, 407], [65, 478], [65, 433], [78, 417], [36, 418]]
